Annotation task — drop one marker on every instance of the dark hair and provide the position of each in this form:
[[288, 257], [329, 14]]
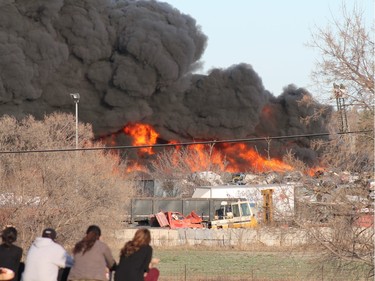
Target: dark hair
[[142, 237], [9, 236], [49, 233], [93, 233], [95, 229]]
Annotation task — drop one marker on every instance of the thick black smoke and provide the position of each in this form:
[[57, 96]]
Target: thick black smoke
[[132, 61]]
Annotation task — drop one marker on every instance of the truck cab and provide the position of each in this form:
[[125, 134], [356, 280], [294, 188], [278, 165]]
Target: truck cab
[[234, 215]]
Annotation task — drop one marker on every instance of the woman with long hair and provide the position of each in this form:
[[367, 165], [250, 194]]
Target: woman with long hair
[[10, 254], [92, 257], [135, 258]]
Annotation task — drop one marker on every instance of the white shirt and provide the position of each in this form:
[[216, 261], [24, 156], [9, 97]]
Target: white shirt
[[44, 259]]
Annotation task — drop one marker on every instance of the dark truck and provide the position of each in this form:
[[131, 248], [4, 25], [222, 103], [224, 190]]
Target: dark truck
[[142, 209]]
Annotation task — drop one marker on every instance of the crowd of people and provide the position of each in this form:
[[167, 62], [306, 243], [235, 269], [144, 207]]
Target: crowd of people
[[91, 258]]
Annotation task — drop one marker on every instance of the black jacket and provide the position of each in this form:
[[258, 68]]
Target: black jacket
[[10, 257], [133, 267]]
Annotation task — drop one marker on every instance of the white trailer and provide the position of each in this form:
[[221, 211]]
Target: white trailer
[[283, 197]]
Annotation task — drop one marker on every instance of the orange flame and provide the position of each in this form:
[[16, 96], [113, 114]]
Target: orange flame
[[238, 156], [133, 166], [205, 159], [142, 134]]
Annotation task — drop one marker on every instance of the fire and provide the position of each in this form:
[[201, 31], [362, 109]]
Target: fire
[[226, 157], [142, 134], [133, 166], [240, 156], [205, 158]]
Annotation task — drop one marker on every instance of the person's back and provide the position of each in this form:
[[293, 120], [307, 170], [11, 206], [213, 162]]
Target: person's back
[[10, 255], [133, 267], [92, 257], [135, 259], [44, 259], [92, 264]]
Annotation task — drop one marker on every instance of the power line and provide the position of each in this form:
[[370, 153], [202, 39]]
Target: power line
[[183, 143]]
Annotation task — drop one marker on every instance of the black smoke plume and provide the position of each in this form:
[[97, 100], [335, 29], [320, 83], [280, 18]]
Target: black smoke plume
[[134, 61]]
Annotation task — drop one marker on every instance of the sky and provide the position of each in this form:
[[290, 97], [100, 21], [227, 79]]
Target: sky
[[270, 35]]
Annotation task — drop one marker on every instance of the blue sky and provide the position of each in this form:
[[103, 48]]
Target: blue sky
[[270, 35]]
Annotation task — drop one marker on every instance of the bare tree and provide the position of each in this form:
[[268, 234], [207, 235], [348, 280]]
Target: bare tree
[[178, 167], [337, 214], [66, 190], [334, 206], [347, 56]]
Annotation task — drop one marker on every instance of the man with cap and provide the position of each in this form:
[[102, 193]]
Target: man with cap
[[45, 257]]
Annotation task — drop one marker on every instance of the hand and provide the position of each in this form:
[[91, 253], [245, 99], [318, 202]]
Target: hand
[[6, 274], [154, 262]]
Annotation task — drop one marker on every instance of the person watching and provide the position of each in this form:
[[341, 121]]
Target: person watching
[[10, 254], [45, 257]]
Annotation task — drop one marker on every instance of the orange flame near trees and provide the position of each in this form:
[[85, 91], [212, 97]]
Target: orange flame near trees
[[238, 156], [204, 158], [133, 166], [142, 134]]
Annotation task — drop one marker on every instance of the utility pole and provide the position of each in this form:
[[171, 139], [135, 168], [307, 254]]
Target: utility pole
[[339, 92]]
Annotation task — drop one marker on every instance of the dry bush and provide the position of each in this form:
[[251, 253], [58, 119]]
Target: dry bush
[[66, 190]]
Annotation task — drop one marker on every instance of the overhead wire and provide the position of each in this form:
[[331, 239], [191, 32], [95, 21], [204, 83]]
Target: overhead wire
[[182, 143]]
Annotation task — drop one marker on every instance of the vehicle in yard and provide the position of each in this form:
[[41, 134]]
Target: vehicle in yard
[[192, 212], [234, 215], [142, 209], [175, 220]]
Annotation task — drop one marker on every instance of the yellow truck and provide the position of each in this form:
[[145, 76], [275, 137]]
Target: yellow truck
[[234, 215]]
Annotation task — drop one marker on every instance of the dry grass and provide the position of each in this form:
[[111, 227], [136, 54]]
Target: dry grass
[[205, 264]]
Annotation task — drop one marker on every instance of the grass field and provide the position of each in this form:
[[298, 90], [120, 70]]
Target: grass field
[[228, 264]]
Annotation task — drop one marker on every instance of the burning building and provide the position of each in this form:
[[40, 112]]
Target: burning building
[[133, 62]]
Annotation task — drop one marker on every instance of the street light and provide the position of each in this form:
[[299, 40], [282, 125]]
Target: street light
[[75, 97]]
